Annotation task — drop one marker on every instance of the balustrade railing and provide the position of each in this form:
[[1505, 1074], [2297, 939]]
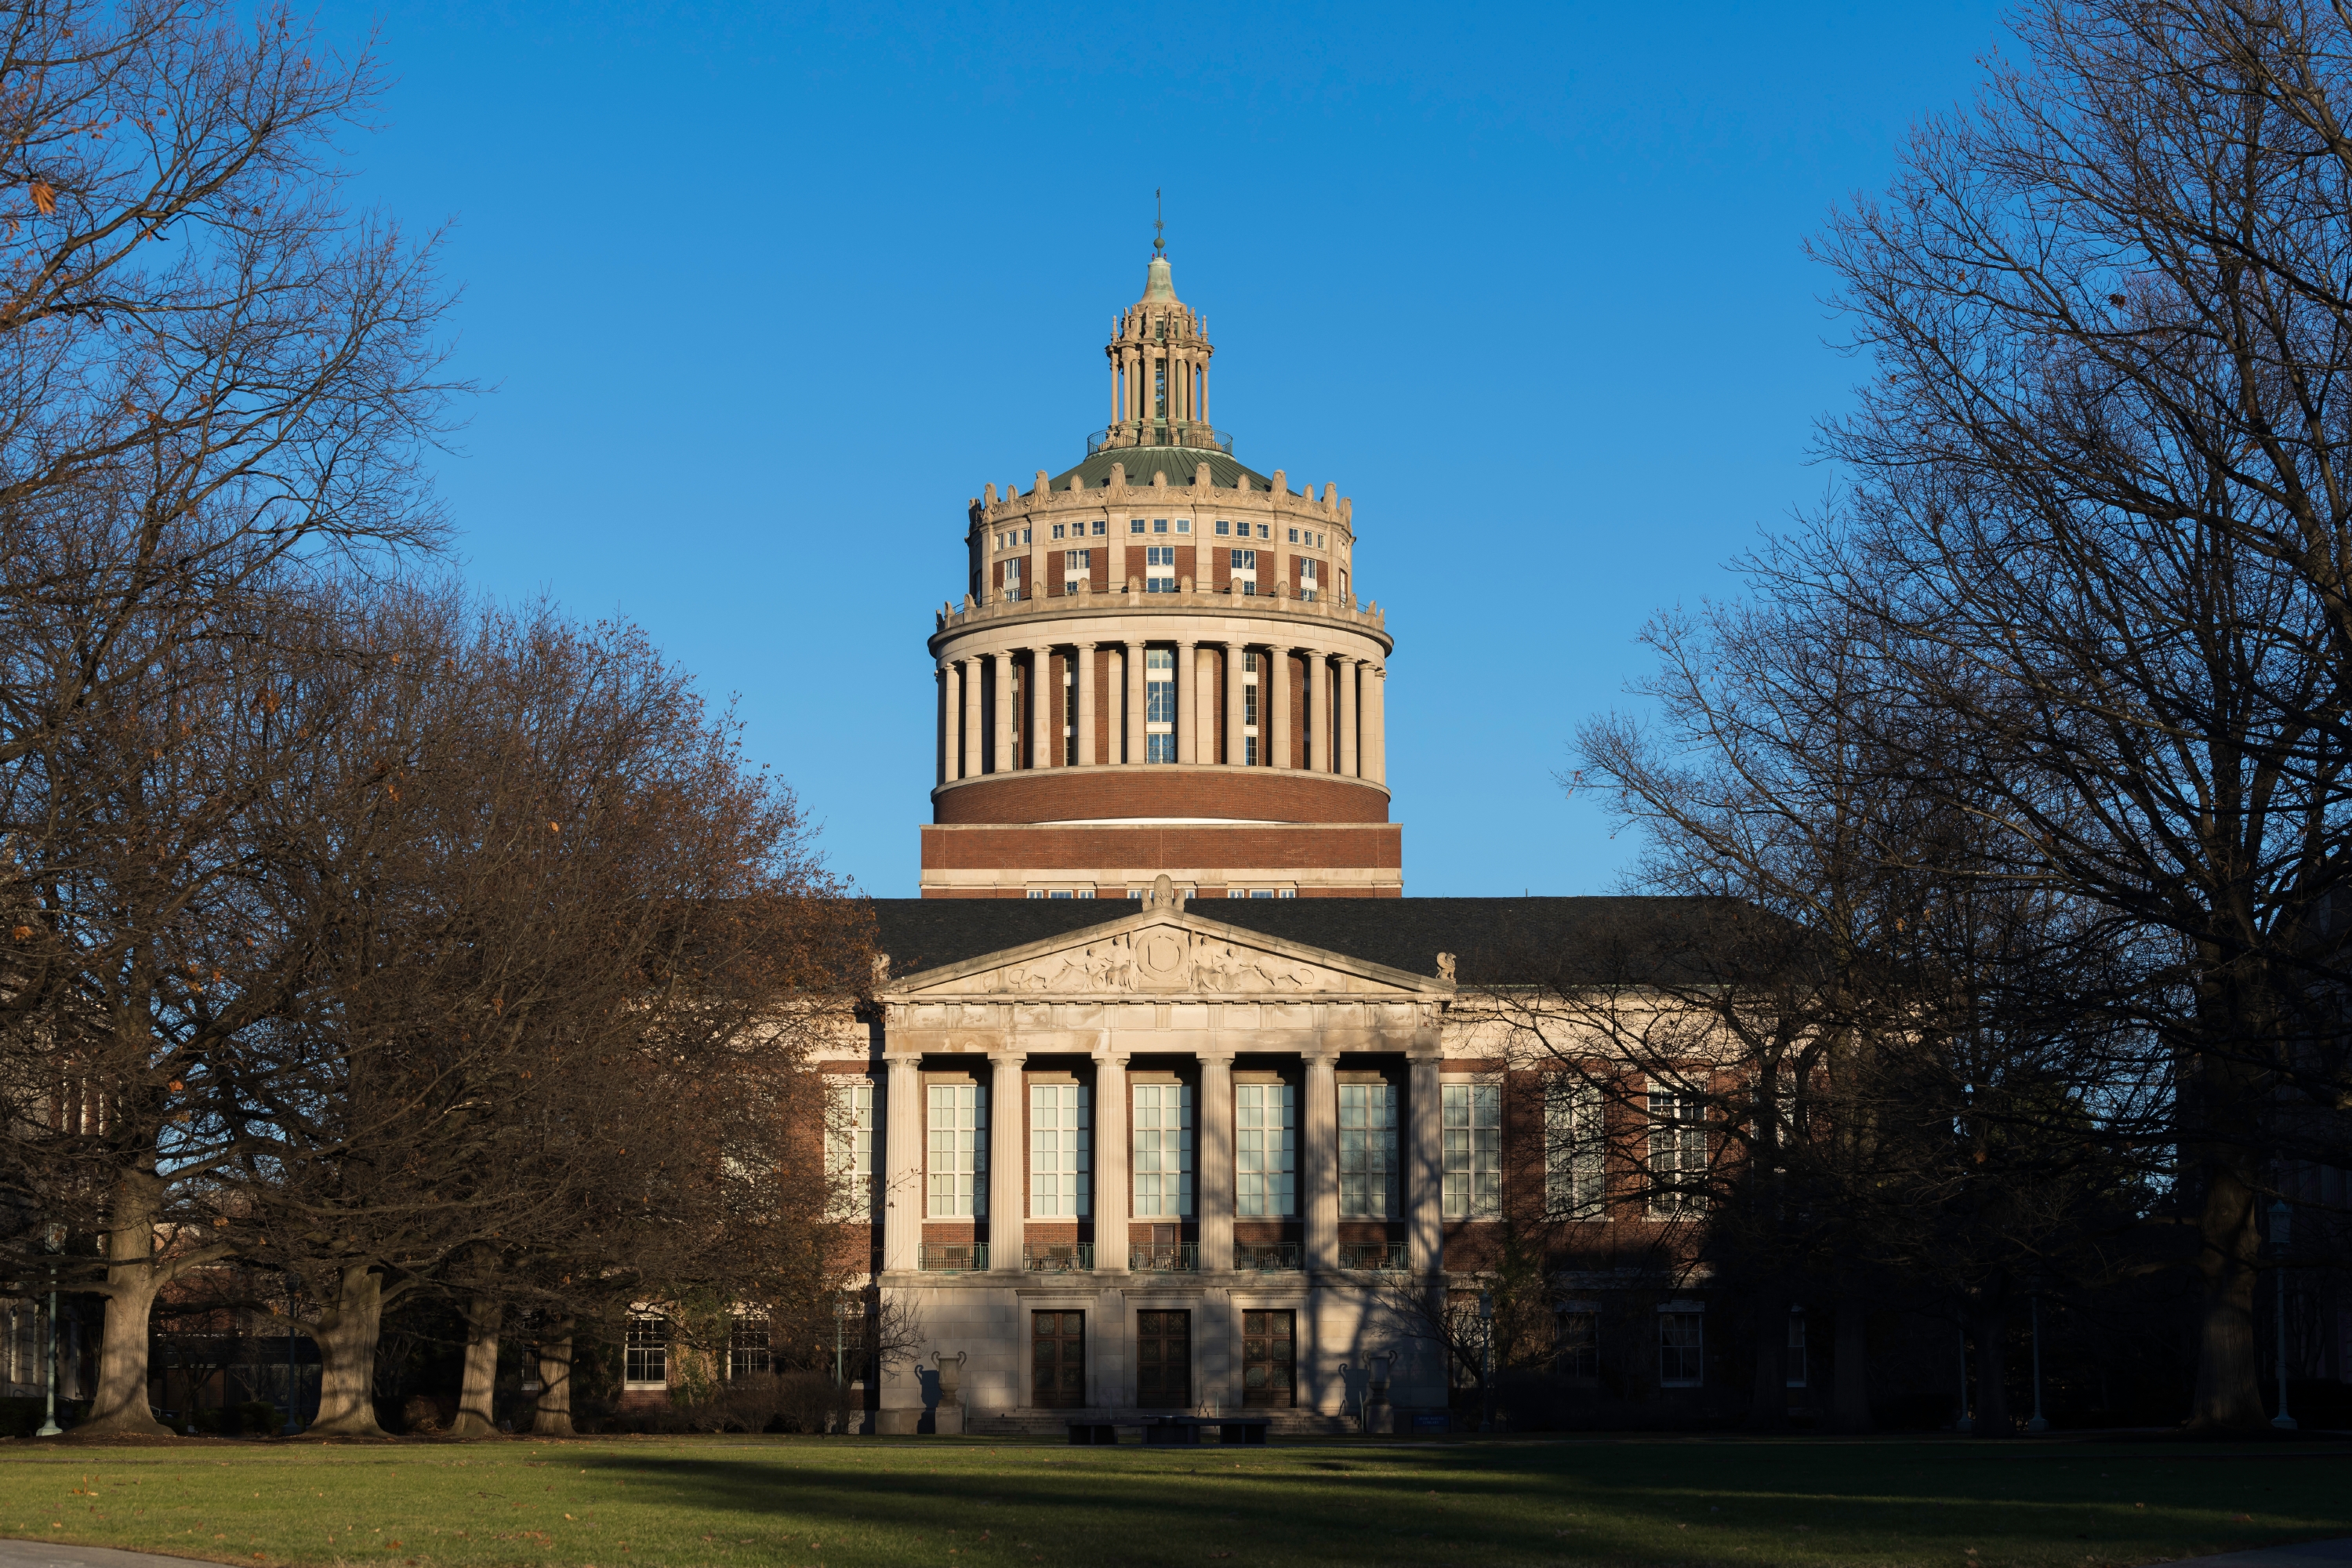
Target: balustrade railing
[[1373, 1255], [1172, 1257], [1074, 1258], [1281, 1257], [1163, 433], [960, 1258]]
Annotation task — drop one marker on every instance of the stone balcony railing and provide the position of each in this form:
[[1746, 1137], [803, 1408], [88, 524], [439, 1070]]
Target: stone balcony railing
[[1328, 609]]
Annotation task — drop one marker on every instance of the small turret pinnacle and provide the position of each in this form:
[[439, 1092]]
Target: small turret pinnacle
[[1158, 227]]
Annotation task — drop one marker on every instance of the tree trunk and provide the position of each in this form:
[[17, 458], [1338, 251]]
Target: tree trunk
[[1768, 1409], [2228, 1388], [1991, 1328], [132, 1281], [553, 1416], [476, 1417], [1850, 1373], [347, 1335]]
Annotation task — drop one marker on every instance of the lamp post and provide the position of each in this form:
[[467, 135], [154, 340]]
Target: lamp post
[[55, 1236], [2282, 1223], [1486, 1361], [293, 1398], [2037, 1424]]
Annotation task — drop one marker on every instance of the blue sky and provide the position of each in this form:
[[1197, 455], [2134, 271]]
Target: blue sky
[[762, 294]]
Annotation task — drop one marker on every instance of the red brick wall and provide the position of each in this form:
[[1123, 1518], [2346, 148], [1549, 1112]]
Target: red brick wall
[[1220, 568], [1376, 847], [1134, 572], [1185, 567], [1278, 794]]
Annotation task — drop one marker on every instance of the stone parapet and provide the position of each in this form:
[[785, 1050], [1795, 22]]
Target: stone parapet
[[1078, 797]]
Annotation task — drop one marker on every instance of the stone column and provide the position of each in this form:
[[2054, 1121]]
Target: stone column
[[1424, 1172], [1215, 1168], [1274, 704], [1318, 1155], [968, 671], [1347, 764], [1134, 659], [1376, 722], [1188, 700], [1040, 709], [946, 727], [1085, 715], [1008, 1126], [1110, 1194], [1003, 728], [902, 1162], [1237, 705], [1318, 711]]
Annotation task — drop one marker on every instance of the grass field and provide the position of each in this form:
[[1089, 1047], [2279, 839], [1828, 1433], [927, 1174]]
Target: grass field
[[653, 1503]]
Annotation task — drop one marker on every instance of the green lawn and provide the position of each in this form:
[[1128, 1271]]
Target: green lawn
[[643, 1502]]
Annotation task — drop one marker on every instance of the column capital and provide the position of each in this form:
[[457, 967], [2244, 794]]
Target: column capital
[[1224, 1057]]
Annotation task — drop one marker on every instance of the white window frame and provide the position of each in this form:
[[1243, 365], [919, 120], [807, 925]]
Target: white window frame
[[1471, 1130], [1266, 1151], [1162, 1141], [645, 1360], [1677, 1150], [1162, 731], [850, 1122], [1681, 1347], [1369, 1190], [955, 1128], [1575, 1153], [1244, 575], [1060, 1151], [1158, 574], [1588, 1314], [1307, 577]]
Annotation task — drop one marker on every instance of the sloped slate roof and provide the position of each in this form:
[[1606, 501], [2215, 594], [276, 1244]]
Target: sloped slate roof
[[1176, 462], [1497, 942]]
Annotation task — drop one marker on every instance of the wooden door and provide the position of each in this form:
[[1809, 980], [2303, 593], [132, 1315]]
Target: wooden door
[[1163, 1360], [1269, 1361], [1058, 1360]]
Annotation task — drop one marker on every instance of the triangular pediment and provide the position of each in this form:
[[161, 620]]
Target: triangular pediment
[[1164, 955]]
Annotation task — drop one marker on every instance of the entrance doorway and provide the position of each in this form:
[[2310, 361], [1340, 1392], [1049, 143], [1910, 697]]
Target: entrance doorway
[[1163, 1360], [1269, 1358], [1058, 1360]]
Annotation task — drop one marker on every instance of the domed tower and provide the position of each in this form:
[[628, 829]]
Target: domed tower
[[1159, 666]]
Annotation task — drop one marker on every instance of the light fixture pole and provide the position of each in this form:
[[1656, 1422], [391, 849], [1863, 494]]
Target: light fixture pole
[[55, 1236], [2037, 1424], [293, 1398], [2282, 1221]]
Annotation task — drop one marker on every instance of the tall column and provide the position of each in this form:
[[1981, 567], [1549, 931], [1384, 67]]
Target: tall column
[[1204, 392], [1113, 391], [1040, 709], [1425, 1172], [1318, 711], [1319, 1160], [1110, 1165], [946, 736], [1216, 1162], [1275, 702], [1004, 725], [1085, 722], [902, 1162], [1188, 700], [967, 672], [1346, 706], [1008, 1123], [1134, 662], [1376, 722], [1237, 705]]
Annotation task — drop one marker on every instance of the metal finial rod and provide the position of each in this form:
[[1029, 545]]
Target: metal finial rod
[[1158, 225]]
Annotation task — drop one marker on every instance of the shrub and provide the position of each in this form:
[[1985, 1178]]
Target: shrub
[[789, 1402], [261, 1416], [420, 1415]]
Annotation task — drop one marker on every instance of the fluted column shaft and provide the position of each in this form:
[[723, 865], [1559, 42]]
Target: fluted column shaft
[[1318, 711], [1134, 659], [1041, 705], [1084, 721], [1008, 1122], [1216, 1167], [1237, 705], [967, 672], [1424, 1169], [1276, 669], [946, 736], [1003, 728], [1376, 720], [1346, 706], [1188, 700], [902, 1162], [1319, 1174], [1110, 1165]]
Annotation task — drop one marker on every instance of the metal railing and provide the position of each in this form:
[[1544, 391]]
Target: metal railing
[[960, 1258], [1172, 1257], [1281, 1257], [1169, 433], [1074, 1258], [1377, 1255]]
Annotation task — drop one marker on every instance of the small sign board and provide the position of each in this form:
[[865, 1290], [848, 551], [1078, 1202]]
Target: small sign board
[[1427, 1423]]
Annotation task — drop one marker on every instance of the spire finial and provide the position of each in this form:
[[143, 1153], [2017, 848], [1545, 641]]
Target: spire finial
[[1158, 227]]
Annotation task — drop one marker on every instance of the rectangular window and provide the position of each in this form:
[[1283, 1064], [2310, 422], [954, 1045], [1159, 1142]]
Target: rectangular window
[[1013, 580], [849, 1148], [1368, 1150], [1101, 525], [1795, 1364], [1244, 573], [1573, 1148], [1294, 536], [1158, 568], [1077, 565], [1183, 525], [1576, 1343], [747, 1349], [1474, 1150], [645, 1354], [1682, 1344], [1163, 1150], [1159, 525], [1057, 530], [959, 1152], [1225, 529], [1266, 1151], [1677, 1154], [1307, 585], [1159, 704], [1160, 389], [1058, 1149]]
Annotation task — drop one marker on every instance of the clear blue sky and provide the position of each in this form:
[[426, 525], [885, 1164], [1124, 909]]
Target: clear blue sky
[[761, 290]]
